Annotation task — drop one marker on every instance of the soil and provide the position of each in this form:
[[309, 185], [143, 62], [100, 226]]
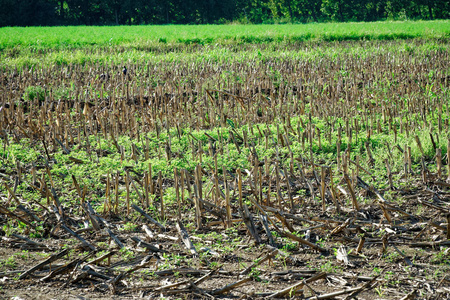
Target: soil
[[405, 255]]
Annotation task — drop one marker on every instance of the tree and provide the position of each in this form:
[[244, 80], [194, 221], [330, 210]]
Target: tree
[[130, 12], [27, 13]]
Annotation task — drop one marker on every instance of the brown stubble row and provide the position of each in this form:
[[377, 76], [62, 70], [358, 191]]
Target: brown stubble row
[[381, 92], [316, 82]]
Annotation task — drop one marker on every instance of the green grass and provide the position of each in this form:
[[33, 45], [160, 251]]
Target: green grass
[[138, 36]]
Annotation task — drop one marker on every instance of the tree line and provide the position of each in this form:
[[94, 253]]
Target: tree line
[[140, 12]]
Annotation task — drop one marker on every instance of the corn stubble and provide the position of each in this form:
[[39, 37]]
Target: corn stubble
[[274, 148]]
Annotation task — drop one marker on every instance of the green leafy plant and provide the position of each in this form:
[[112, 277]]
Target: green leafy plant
[[34, 93], [127, 254]]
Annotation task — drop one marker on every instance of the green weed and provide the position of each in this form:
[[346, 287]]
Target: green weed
[[35, 93]]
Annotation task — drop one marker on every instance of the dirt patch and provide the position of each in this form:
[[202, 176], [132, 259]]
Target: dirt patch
[[405, 251]]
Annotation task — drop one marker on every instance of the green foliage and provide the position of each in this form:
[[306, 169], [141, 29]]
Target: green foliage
[[127, 254], [34, 93], [442, 257], [21, 40], [77, 12], [329, 267], [9, 262], [131, 227]]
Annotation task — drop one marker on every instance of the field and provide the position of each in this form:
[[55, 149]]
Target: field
[[303, 161], [138, 36]]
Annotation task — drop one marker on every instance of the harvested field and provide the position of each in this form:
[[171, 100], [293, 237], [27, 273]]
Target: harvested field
[[311, 170]]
